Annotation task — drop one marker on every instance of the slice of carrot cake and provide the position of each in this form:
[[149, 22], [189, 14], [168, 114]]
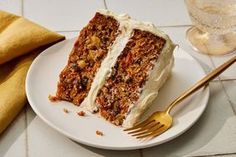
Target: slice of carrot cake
[[90, 49], [116, 67]]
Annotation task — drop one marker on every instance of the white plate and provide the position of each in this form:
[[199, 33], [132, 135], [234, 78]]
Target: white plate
[[42, 80]]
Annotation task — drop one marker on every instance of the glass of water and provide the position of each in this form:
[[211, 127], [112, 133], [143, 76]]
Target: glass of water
[[214, 25]]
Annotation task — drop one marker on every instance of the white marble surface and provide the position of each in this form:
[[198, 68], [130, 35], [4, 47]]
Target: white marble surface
[[28, 136], [61, 15], [160, 12], [13, 6]]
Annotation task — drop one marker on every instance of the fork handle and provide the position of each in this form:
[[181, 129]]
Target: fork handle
[[204, 81]]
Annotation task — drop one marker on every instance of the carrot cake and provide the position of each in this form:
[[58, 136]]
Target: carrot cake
[[90, 49], [116, 67]]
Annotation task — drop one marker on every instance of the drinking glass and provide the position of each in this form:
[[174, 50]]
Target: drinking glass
[[214, 25]]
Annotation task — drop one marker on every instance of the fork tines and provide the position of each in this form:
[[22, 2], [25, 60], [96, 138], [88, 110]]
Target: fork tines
[[146, 129]]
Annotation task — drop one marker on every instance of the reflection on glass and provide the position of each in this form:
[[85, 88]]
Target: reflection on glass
[[214, 25]]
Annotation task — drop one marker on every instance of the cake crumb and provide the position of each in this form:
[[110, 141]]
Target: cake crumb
[[52, 98], [99, 133], [65, 110], [81, 113]]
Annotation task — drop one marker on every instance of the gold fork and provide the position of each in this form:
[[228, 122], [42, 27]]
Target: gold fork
[[161, 121]]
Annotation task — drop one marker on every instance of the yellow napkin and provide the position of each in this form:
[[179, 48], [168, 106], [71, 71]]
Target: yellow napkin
[[20, 41]]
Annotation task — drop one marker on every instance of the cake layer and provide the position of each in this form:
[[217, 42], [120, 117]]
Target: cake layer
[[124, 85], [109, 61], [90, 49]]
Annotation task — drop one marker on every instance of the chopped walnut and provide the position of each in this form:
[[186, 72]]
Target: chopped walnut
[[81, 113], [81, 64], [95, 40], [99, 133], [66, 110]]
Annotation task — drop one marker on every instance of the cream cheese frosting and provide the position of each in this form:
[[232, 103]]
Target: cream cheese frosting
[[156, 78]]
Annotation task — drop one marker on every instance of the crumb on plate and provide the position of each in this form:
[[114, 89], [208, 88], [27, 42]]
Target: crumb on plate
[[99, 133], [52, 98], [81, 113], [65, 110]]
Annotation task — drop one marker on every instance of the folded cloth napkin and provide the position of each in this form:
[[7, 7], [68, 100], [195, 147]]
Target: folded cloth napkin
[[20, 41]]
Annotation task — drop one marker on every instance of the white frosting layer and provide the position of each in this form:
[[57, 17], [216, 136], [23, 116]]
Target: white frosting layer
[[157, 76]]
